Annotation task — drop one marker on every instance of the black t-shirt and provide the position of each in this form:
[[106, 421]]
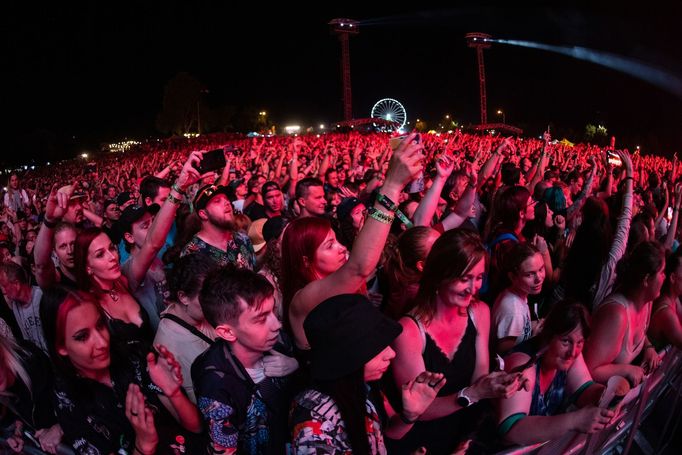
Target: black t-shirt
[[255, 211]]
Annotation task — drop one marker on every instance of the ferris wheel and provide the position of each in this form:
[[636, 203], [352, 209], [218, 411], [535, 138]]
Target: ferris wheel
[[390, 109]]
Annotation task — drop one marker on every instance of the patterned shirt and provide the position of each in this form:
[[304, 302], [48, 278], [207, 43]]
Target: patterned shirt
[[238, 251], [233, 409], [318, 428]]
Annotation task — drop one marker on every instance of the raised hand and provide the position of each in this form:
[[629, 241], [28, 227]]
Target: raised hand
[[444, 166], [165, 371], [419, 393], [405, 164]]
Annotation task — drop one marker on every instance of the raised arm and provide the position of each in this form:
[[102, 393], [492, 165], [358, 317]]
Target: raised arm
[[369, 244], [672, 229], [46, 274], [163, 221], [427, 206]]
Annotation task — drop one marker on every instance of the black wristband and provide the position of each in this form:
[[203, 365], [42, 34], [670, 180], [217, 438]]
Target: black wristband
[[631, 178], [49, 224], [405, 420]]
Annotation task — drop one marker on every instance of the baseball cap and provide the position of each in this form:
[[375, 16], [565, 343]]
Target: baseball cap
[[132, 214], [206, 193]]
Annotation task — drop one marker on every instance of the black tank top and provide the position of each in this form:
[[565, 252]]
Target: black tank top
[[441, 436]]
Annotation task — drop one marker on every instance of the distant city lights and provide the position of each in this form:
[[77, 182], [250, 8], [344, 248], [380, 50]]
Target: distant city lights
[[123, 146]]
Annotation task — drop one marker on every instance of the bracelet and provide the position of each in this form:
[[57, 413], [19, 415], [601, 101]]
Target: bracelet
[[177, 188], [173, 200], [143, 452], [386, 202], [631, 178], [380, 216], [390, 205], [407, 421], [49, 224]]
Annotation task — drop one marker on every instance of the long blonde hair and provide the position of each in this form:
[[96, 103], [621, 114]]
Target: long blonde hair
[[11, 360]]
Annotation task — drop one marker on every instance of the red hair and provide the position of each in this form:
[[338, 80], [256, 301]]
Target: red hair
[[301, 239], [73, 300]]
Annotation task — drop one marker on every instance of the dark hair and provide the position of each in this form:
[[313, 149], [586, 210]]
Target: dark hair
[[518, 253], [226, 288], [564, 317], [401, 268], [511, 175], [80, 256], [452, 255], [188, 274], [672, 263], [149, 188], [350, 394], [589, 252], [508, 205], [645, 259], [302, 187]]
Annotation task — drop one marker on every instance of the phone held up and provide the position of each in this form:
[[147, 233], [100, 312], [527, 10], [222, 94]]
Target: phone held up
[[212, 161], [416, 185]]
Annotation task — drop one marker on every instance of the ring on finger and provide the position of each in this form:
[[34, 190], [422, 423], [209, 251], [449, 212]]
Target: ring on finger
[[133, 413]]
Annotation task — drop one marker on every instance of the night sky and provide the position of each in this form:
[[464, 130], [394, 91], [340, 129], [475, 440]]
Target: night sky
[[77, 76]]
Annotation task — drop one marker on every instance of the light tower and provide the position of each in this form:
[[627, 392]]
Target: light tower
[[480, 41], [344, 28]]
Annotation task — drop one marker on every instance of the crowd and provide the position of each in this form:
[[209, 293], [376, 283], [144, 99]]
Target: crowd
[[333, 294]]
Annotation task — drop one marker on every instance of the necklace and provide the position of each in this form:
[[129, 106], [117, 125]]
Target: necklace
[[113, 293]]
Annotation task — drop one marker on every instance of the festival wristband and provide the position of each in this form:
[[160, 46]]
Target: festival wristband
[[380, 216]]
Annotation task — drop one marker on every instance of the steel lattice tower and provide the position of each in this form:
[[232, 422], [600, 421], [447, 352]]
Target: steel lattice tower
[[480, 41], [343, 28]]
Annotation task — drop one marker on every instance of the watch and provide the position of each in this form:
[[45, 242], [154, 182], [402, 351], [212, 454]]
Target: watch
[[463, 400]]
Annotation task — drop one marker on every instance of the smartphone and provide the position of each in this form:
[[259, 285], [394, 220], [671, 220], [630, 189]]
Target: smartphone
[[211, 161], [614, 159], [394, 142], [670, 213]]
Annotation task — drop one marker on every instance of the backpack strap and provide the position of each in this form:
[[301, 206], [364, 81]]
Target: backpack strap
[[196, 332]]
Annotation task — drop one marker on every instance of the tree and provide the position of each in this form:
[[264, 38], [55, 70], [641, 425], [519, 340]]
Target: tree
[[181, 98]]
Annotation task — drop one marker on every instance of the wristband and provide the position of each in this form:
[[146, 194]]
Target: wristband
[[49, 224], [173, 200], [380, 216], [407, 421], [390, 205], [631, 178], [386, 202], [177, 188], [143, 452]]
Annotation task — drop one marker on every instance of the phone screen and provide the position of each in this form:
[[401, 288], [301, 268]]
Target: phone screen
[[614, 159], [211, 161]]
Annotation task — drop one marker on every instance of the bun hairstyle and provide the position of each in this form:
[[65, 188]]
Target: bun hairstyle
[[645, 259]]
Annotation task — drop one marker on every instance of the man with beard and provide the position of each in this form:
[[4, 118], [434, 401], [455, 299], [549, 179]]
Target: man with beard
[[217, 237]]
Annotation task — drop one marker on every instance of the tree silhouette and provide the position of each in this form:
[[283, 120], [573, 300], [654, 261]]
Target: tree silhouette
[[181, 99]]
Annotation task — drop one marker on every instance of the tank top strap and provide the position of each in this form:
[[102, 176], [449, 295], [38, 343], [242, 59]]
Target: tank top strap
[[422, 330]]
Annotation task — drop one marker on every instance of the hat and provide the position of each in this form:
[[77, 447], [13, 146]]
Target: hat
[[74, 195], [256, 234], [345, 332], [273, 228], [205, 194], [346, 207], [109, 202], [269, 186], [132, 213], [123, 198]]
